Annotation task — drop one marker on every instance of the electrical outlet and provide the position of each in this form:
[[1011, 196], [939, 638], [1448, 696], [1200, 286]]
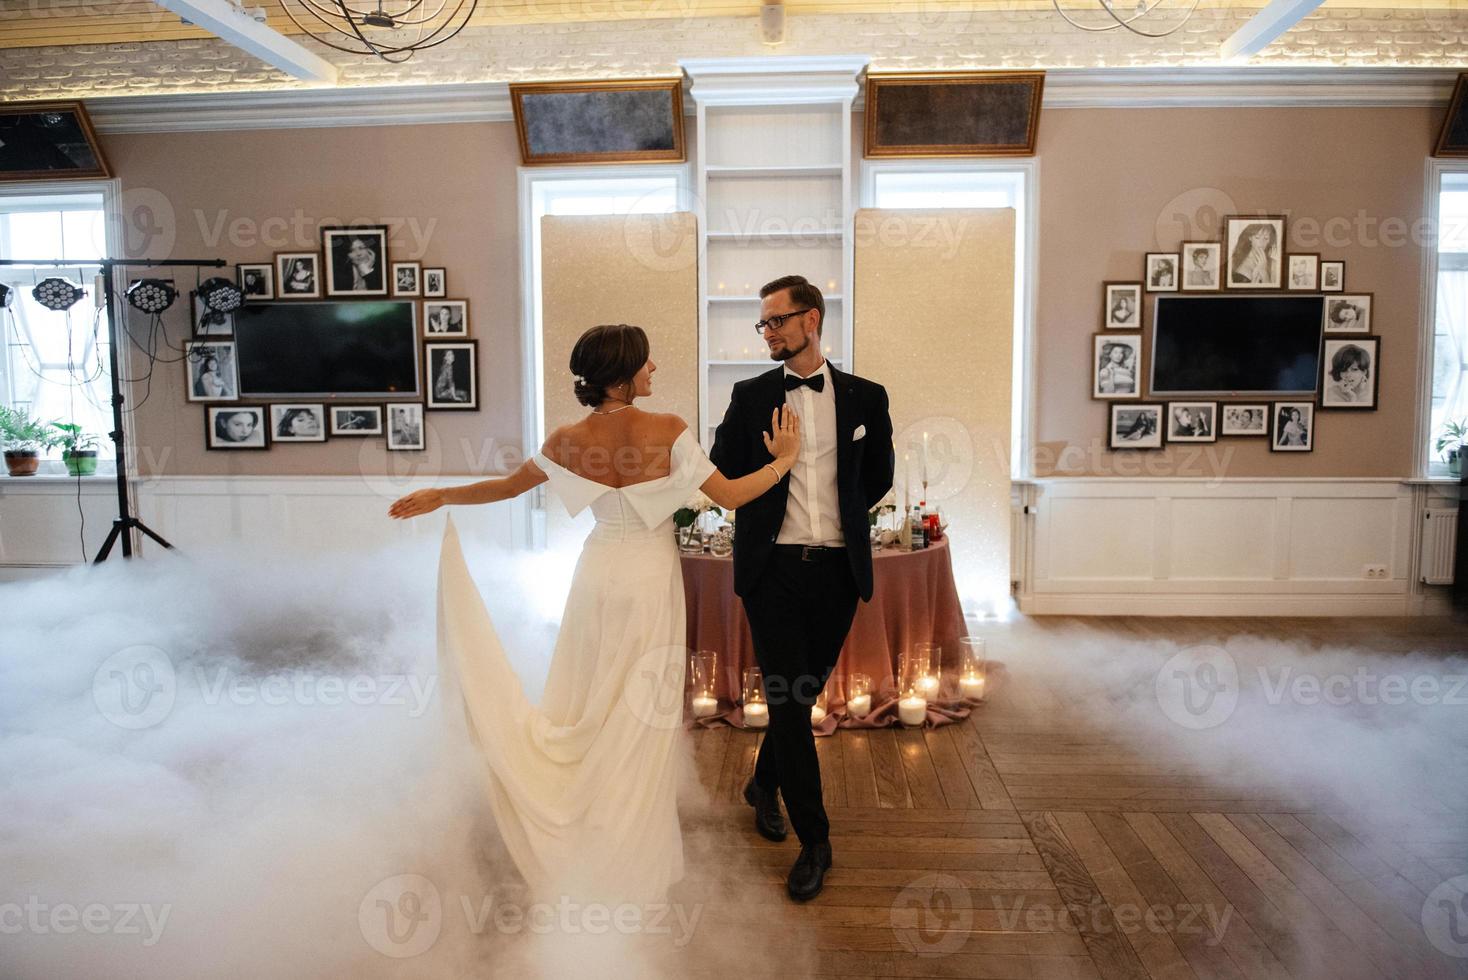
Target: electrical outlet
[[1376, 571]]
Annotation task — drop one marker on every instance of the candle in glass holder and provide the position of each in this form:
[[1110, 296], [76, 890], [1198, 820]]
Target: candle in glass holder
[[756, 715], [817, 714], [912, 710], [704, 706], [972, 686], [927, 686], [859, 706]]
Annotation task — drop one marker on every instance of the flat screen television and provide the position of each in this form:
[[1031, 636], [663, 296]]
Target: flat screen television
[[357, 347], [1236, 345]]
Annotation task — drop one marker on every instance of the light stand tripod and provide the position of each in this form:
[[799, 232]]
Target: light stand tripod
[[125, 522]]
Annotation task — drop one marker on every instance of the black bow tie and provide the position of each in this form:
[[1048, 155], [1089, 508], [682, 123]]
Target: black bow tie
[[816, 382]]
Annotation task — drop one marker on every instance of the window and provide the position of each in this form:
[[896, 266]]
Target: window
[[630, 190], [55, 365], [1449, 401], [944, 184]]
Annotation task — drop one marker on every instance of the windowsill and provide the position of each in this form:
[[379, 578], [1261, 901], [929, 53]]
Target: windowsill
[[53, 471]]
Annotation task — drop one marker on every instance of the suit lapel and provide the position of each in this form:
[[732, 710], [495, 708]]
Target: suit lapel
[[845, 396]]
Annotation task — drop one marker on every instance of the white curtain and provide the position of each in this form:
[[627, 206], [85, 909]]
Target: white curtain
[[1449, 379]]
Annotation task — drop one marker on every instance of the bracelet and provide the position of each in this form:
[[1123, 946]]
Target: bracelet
[[778, 477]]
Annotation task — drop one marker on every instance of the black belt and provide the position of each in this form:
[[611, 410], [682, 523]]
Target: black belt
[[811, 552]]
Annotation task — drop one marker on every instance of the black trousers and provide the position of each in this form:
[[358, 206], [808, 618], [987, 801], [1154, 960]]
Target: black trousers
[[799, 615]]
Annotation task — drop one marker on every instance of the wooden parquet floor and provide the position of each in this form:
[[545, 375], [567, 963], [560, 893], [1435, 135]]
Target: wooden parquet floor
[[1026, 842]]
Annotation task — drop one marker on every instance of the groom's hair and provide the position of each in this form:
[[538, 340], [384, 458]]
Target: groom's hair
[[802, 293], [604, 357]]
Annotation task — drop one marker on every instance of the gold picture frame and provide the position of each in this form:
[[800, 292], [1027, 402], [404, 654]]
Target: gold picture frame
[[566, 122], [23, 140], [946, 114]]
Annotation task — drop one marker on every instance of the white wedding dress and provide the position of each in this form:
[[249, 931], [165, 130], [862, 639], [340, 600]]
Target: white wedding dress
[[583, 787]]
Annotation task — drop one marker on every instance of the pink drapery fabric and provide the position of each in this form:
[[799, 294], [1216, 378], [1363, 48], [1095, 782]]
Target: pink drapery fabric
[[914, 601]]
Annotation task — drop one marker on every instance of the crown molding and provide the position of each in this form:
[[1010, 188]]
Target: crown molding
[[781, 79]]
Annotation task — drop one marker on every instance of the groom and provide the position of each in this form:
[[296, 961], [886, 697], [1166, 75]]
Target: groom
[[801, 551]]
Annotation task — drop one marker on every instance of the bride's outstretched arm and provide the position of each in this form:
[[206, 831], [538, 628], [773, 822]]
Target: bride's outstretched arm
[[784, 445], [484, 492]]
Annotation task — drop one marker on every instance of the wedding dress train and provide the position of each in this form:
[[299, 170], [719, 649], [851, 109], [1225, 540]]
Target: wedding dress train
[[583, 786]]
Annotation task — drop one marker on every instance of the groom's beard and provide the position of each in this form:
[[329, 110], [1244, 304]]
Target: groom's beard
[[786, 352]]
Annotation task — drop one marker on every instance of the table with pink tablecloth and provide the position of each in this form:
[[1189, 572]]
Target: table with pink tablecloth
[[914, 600]]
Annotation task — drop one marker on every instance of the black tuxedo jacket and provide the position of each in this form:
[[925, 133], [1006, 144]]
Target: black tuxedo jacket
[[863, 469]]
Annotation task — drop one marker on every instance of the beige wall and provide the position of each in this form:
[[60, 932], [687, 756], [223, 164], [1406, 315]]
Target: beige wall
[[1111, 184], [449, 192]]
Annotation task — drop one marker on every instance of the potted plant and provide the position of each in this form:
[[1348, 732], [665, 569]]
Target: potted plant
[[1452, 440], [24, 438], [78, 448]]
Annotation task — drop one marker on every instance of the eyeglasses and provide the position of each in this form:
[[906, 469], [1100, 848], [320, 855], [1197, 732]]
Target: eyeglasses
[[778, 320]]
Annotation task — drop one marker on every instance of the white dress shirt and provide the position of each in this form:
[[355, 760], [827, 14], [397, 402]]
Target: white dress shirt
[[812, 511]]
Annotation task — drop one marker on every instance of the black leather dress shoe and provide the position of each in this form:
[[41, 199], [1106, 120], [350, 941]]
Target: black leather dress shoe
[[767, 819], [809, 872]]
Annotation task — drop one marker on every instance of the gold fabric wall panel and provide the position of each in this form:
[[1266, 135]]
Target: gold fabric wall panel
[[935, 325]]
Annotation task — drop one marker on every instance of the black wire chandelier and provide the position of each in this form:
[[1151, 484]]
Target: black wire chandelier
[[392, 29], [1122, 13]]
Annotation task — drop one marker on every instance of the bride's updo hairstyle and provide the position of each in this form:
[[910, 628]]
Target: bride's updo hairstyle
[[605, 357]]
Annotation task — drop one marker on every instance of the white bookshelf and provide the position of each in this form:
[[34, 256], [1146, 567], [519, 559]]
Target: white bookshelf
[[774, 197]]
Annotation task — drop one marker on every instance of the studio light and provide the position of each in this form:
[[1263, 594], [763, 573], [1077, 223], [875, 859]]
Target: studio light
[[220, 295], [56, 293], [7, 296], [151, 295]]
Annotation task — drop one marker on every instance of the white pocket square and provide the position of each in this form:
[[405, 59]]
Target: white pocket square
[[861, 430]]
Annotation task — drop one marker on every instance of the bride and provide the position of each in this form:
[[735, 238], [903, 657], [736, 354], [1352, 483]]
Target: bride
[[583, 786]]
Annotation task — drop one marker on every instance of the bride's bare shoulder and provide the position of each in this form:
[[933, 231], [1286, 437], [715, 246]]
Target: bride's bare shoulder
[[667, 423], [560, 440]]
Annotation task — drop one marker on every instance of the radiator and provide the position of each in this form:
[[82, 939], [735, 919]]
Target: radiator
[[1439, 538]]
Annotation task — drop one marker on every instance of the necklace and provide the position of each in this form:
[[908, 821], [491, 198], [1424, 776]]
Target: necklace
[[612, 412]]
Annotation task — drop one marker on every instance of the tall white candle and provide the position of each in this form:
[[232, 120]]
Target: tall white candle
[[859, 706], [756, 715], [912, 710]]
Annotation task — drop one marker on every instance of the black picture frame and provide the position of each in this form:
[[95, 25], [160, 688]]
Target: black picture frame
[[217, 428], [1339, 366], [1134, 416], [346, 251], [450, 375]]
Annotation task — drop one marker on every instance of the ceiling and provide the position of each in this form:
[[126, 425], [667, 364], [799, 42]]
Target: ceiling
[[92, 48]]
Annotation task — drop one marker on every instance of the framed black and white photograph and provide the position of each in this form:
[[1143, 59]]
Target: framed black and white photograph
[[1255, 251], [1348, 313], [298, 275], [1244, 420], [256, 281], [1160, 273], [451, 379], [207, 322], [298, 423], [404, 426], [212, 371], [1292, 427], [1121, 305], [1304, 271], [446, 318], [1135, 427], [1351, 373], [356, 260], [435, 282], [356, 420], [407, 279], [1192, 421], [1333, 276], [235, 427], [1201, 262], [1116, 361]]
